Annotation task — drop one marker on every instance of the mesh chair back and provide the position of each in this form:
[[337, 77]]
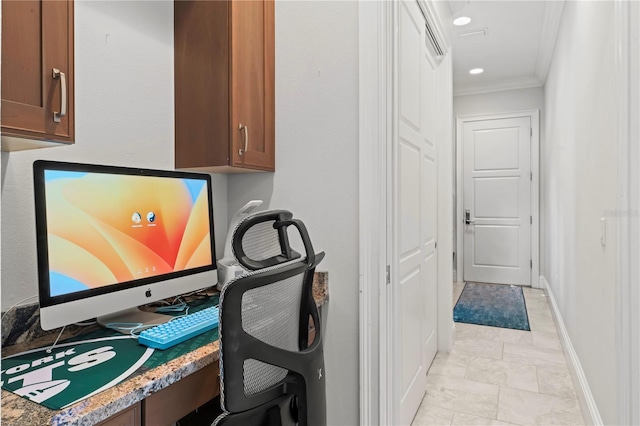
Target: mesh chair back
[[270, 314], [264, 320]]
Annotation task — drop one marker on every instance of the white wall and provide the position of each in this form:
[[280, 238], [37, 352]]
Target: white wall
[[124, 116], [634, 224], [317, 169], [579, 158], [498, 102], [1, 171], [495, 103]]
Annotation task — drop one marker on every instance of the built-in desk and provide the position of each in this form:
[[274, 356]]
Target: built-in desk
[[156, 397]]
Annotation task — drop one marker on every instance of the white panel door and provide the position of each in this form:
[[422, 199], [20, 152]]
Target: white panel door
[[429, 206], [415, 213], [497, 201]]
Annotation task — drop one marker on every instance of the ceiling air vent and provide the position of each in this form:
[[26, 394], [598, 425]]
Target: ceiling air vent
[[480, 32]]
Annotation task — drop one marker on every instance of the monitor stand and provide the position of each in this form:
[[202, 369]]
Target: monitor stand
[[127, 319]]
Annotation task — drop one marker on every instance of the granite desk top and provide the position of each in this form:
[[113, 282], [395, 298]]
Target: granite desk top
[[18, 411]]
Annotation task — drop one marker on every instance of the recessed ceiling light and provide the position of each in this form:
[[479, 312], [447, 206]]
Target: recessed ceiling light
[[462, 20], [476, 71]]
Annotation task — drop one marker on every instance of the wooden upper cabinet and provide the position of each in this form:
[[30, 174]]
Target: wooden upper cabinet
[[252, 84], [37, 73], [224, 85]]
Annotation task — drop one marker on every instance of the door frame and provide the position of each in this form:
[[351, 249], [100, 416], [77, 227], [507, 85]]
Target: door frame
[[534, 116], [627, 28], [375, 136], [377, 41]]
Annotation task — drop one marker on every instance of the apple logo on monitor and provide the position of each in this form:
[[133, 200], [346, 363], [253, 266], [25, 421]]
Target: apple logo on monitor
[[148, 293]]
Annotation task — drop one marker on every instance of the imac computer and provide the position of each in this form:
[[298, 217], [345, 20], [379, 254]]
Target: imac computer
[[110, 239]]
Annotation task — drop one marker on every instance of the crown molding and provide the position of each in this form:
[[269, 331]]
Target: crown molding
[[550, 25], [497, 86]]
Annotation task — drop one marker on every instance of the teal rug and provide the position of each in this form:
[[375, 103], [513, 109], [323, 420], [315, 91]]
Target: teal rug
[[495, 305]]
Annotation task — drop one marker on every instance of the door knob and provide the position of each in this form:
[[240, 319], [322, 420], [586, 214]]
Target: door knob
[[467, 217]]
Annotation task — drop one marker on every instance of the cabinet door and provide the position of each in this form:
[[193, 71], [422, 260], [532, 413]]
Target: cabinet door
[[172, 403], [130, 417], [37, 37], [252, 85]]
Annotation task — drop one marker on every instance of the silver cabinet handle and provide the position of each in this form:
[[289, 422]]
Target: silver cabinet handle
[[246, 138], [57, 116]]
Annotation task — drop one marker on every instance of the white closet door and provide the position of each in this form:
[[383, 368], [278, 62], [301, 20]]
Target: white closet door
[[415, 212]]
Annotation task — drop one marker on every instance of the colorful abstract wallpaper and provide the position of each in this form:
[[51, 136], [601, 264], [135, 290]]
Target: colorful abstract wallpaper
[[105, 229]]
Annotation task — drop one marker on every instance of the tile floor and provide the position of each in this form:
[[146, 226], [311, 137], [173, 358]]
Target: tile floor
[[498, 376]]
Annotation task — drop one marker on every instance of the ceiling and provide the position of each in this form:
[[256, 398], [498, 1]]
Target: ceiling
[[511, 40]]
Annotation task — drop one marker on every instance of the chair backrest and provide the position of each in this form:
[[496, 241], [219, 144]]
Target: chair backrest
[[261, 240], [264, 322]]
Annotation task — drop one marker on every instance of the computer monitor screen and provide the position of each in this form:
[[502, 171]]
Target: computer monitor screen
[[112, 238]]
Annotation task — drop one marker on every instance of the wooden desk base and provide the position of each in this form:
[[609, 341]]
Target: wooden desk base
[[172, 403], [176, 401]]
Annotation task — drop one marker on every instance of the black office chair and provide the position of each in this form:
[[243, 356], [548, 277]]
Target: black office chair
[[269, 373]]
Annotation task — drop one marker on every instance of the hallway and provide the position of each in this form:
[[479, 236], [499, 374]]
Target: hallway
[[563, 185], [497, 376]]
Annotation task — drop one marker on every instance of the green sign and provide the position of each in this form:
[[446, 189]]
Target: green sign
[[72, 371]]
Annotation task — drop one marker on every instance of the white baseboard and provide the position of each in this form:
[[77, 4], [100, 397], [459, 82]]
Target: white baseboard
[[583, 392], [453, 336]]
